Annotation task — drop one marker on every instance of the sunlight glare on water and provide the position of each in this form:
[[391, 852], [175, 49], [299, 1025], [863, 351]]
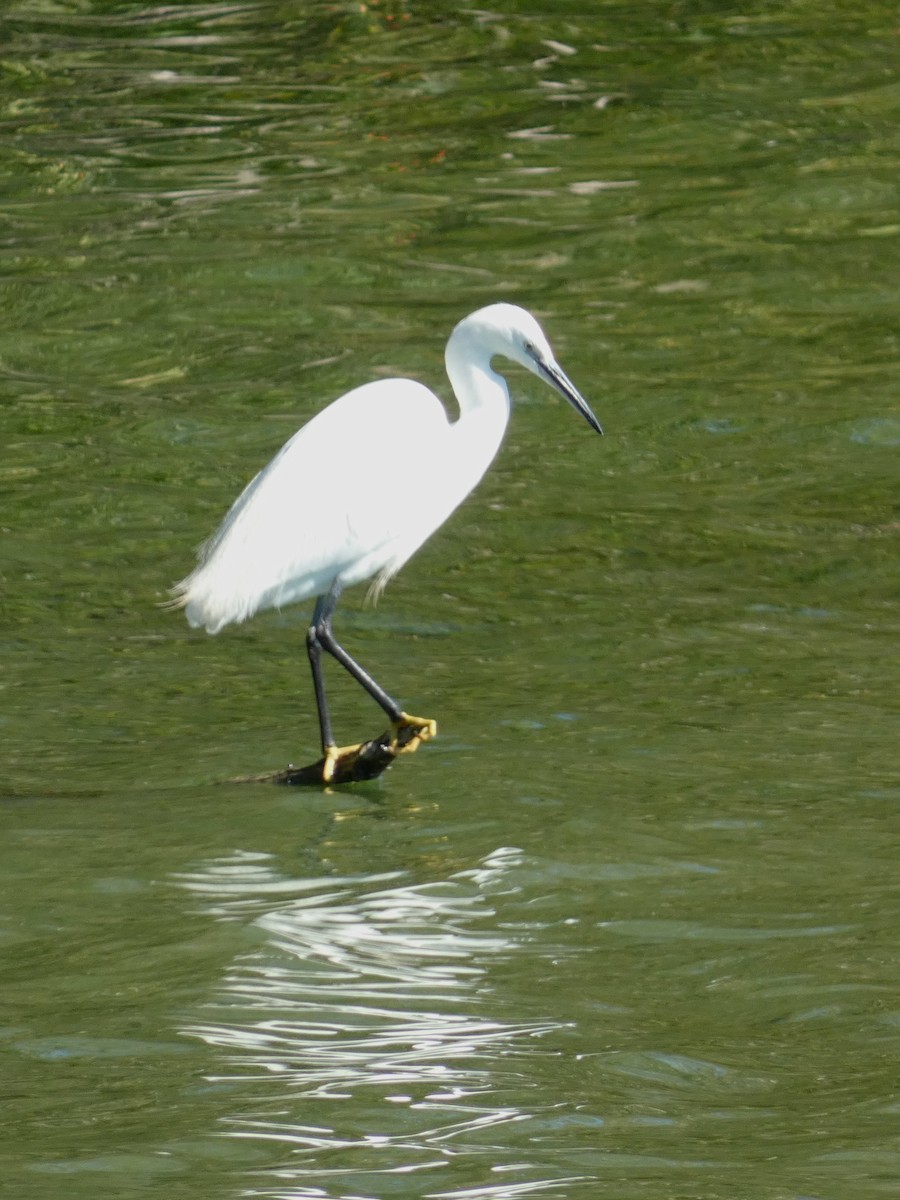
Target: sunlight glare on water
[[373, 994]]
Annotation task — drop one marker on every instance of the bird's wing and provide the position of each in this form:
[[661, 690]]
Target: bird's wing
[[330, 503]]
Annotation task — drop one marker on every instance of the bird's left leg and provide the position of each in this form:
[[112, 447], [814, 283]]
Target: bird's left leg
[[409, 731]]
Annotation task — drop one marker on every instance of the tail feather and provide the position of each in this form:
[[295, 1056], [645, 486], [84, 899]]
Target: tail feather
[[203, 609]]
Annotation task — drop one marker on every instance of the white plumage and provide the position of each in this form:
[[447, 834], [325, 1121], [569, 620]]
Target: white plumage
[[355, 492]]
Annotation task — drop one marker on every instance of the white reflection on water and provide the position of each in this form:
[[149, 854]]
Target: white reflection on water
[[368, 1011]]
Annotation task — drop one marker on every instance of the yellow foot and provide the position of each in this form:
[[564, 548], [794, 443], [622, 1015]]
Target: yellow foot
[[338, 754], [410, 731], [356, 764]]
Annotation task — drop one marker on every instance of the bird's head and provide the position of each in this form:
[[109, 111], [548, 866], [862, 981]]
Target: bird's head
[[513, 332]]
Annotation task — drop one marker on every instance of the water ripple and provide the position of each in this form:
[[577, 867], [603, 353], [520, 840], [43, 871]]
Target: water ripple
[[368, 1012]]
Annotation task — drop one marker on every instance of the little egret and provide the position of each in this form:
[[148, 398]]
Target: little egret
[[356, 491]]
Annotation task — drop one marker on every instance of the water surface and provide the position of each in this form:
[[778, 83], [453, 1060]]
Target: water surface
[[627, 928]]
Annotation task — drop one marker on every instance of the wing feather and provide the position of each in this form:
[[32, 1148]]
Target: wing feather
[[333, 502]]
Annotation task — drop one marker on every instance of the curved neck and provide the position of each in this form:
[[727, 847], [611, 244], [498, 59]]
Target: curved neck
[[483, 399]]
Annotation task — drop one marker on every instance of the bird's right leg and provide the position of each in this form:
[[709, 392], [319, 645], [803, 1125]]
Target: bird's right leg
[[331, 752], [408, 731]]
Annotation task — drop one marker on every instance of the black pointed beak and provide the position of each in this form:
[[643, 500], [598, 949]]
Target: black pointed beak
[[558, 379]]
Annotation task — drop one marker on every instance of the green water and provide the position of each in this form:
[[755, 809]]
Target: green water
[[628, 927]]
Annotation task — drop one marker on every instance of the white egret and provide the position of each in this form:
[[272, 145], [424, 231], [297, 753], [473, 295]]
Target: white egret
[[357, 490]]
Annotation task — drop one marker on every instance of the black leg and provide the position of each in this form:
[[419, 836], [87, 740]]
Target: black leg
[[314, 650], [321, 637], [368, 759]]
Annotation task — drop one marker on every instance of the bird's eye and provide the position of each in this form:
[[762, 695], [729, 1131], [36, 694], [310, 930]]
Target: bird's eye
[[529, 349]]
